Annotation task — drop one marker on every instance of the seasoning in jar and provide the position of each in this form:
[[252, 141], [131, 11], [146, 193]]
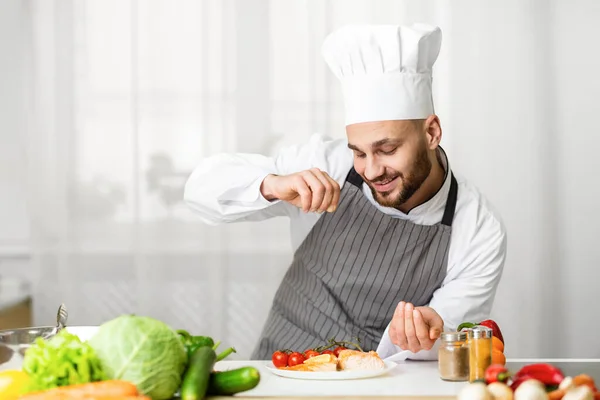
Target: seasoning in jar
[[480, 351], [453, 356]]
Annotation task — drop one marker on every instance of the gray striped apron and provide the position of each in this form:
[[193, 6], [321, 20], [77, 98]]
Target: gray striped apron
[[351, 271]]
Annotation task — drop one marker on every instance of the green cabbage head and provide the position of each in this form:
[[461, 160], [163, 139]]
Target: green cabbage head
[[143, 351]]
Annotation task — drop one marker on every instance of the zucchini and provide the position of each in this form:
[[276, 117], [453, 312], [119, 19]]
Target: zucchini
[[225, 383], [197, 376]]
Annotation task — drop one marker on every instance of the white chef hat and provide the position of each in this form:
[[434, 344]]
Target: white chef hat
[[385, 70]]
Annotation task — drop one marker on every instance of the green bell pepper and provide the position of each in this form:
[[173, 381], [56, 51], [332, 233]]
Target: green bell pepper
[[193, 343], [465, 325]]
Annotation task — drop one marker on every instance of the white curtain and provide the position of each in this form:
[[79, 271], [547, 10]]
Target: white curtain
[[127, 96]]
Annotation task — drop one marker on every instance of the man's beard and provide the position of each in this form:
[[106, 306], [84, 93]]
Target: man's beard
[[411, 182]]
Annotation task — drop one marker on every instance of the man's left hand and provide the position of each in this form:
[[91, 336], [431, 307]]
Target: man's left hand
[[415, 328]]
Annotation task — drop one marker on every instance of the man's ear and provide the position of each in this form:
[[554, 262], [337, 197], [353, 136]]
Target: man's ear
[[433, 130]]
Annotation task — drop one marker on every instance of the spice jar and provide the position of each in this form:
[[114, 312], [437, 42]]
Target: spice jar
[[453, 357], [480, 351]]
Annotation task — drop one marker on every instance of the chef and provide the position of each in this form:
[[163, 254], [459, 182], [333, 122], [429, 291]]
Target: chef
[[390, 245]]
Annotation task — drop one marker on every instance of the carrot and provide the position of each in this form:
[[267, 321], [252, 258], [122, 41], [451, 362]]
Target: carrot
[[111, 389], [89, 397], [113, 398], [556, 394], [584, 379]]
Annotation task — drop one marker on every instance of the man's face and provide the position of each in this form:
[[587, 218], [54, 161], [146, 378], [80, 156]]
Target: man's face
[[392, 157]]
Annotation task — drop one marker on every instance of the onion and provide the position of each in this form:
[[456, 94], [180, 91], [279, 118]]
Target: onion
[[475, 391], [566, 384], [582, 392], [500, 391], [531, 389]]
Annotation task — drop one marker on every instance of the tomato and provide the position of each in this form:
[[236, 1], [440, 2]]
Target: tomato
[[328, 352], [337, 350], [280, 359], [310, 353], [295, 358]]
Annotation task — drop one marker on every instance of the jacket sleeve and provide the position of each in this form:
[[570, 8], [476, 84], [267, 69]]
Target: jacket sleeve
[[225, 188], [467, 294]]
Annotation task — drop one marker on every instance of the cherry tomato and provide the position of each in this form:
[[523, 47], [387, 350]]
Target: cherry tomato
[[328, 352], [280, 359], [337, 350], [295, 358], [310, 353]]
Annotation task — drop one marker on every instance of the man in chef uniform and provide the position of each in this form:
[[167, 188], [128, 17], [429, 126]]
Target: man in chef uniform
[[390, 245]]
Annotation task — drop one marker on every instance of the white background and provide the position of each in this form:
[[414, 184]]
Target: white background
[[107, 105]]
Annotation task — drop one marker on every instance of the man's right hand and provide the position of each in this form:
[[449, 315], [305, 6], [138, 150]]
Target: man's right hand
[[311, 190]]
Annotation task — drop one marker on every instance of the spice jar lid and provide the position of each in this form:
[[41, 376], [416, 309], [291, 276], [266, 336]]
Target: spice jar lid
[[454, 336], [480, 332]]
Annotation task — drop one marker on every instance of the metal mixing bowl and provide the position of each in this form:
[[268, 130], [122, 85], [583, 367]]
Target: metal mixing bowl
[[24, 336], [14, 342]]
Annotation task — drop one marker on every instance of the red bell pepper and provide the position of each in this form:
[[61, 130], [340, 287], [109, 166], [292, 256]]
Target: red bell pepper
[[488, 323], [548, 374]]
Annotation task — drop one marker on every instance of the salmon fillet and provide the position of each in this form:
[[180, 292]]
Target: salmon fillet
[[358, 360], [320, 363]]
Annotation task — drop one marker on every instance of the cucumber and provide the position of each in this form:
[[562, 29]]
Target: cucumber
[[225, 383], [197, 376]]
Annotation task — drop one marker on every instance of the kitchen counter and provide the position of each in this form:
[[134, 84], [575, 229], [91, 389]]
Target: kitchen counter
[[410, 379]]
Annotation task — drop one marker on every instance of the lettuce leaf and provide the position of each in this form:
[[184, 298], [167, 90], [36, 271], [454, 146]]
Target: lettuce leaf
[[61, 361]]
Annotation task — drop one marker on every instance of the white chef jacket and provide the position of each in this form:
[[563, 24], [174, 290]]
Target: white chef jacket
[[225, 188]]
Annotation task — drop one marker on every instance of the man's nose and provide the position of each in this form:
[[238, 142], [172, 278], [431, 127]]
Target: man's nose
[[373, 169]]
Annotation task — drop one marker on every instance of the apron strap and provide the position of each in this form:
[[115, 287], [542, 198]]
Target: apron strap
[[450, 202], [354, 178]]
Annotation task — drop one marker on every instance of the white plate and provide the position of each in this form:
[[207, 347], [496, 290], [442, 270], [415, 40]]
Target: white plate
[[332, 375]]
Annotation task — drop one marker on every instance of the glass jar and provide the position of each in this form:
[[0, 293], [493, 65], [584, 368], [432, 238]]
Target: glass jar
[[480, 351], [453, 357]]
